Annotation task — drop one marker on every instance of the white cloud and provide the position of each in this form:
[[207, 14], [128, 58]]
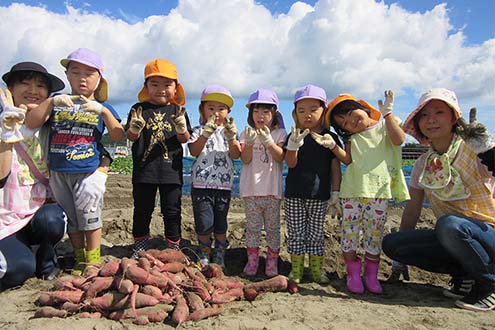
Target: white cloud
[[357, 46]]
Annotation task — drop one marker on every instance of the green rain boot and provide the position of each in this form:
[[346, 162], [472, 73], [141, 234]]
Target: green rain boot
[[93, 257], [315, 268], [80, 263], [296, 273]]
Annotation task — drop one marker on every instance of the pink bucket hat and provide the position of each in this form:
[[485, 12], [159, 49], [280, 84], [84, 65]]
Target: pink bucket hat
[[219, 94], [441, 94], [90, 58]]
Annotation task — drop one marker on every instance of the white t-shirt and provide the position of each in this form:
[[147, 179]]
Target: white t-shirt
[[263, 176]]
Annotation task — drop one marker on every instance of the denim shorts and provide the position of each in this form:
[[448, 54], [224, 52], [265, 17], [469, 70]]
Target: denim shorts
[[210, 208]]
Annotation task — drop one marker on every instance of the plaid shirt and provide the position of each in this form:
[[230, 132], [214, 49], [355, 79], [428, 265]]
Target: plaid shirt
[[476, 178]]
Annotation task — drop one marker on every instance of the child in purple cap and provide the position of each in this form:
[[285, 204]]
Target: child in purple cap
[[456, 175], [261, 178], [77, 123], [214, 144], [313, 173], [372, 177]]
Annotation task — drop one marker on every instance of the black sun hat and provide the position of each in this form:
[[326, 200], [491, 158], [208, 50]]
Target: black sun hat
[[55, 83]]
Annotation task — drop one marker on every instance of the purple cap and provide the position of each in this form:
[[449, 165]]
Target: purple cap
[[310, 92], [263, 95], [217, 93], [92, 59]]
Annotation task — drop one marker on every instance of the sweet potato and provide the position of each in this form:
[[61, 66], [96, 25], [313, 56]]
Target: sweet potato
[[91, 270], [194, 301], [171, 255], [144, 263], [181, 311], [64, 283], [292, 287], [110, 268], [152, 291], [140, 276], [201, 290], [250, 294], [49, 311], [70, 307], [213, 270], [143, 300], [206, 312], [98, 284], [222, 297], [90, 315], [110, 301], [172, 267], [156, 313], [141, 320], [45, 300], [62, 296], [226, 283], [123, 285], [274, 284]]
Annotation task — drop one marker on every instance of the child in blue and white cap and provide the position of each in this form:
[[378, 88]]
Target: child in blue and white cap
[[261, 178], [313, 173], [214, 144]]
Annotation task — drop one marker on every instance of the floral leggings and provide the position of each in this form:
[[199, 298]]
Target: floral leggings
[[368, 215], [262, 211]]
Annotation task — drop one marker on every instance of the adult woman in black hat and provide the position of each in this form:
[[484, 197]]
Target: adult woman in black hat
[[28, 216]]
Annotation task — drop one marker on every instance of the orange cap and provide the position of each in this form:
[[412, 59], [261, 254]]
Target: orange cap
[[162, 68], [374, 113]]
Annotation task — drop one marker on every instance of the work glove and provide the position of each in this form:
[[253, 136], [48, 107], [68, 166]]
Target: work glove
[[179, 121], [230, 130], [398, 269], [89, 192], [136, 123], [210, 126], [250, 135], [296, 139], [64, 100], [475, 134], [386, 108], [334, 206], [91, 106], [325, 140], [11, 118], [265, 136]]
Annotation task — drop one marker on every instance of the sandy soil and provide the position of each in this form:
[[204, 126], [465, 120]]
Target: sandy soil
[[414, 305]]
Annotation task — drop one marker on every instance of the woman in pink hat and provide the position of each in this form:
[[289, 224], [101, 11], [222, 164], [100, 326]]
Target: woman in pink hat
[[261, 178], [456, 175], [313, 176]]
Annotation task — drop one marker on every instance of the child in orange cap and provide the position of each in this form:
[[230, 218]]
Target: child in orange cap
[[214, 144], [158, 125], [456, 175], [77, 124], [373, 175]]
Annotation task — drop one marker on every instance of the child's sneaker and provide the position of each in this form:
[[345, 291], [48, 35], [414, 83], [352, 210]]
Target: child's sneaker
[[219, 253], [139, 246], [478, 300], [460, 287], [204, 254]]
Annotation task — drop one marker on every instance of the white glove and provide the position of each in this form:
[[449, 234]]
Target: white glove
[[64, 100], [230, 130], [11, 118], [325, 140], [89, 192], [210, 126], [334, 206], [296, 139], [265, 136], [136, 122], [386, 108], [250, 135], [179, 121], [91, 106]]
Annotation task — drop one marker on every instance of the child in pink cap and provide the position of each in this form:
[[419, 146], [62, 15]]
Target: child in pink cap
[[314, 173], [77, 123], [456, 175], [372, 177], [214, 144], [261, 178]]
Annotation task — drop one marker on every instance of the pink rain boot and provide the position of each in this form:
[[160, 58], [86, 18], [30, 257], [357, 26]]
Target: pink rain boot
[[251, 267], [371, 276], [271, 268], [354, 282]]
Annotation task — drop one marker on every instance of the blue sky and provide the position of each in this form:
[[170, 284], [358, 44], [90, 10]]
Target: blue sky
[[357, 46]]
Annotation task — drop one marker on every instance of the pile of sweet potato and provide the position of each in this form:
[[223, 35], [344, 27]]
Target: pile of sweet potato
[[160, 283]]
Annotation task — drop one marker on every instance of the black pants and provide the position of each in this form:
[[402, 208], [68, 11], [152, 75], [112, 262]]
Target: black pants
[[144, 203]]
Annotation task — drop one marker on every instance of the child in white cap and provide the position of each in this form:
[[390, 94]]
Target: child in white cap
[[456, 175], [261, 178], [372, 177], [77, 124], [158, 125], [314, 172], [214, 144]]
